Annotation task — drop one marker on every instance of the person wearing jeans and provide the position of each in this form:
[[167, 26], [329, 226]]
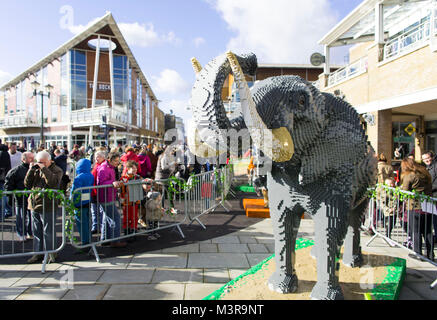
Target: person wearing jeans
[[96, 208], [43, 175], [81, 199], [107, 198], [15, 181]]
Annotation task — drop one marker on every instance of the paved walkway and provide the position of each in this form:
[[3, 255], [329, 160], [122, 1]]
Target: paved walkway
[[188, 272]]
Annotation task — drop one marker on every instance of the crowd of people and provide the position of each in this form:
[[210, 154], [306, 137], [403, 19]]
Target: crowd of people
[[56, 168], [416, 218]]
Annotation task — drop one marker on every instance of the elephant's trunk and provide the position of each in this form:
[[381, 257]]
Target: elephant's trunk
[[209, 113]]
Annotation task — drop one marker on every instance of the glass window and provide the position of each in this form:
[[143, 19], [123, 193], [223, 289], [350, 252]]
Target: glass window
[[403, 138], [79, 92]]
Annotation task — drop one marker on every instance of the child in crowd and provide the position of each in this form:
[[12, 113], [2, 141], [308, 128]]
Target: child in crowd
[[130, 208], [388, 206], [154, 213], [81, 199], [147, 186]]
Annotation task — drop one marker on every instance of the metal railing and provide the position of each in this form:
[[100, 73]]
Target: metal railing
[[206, 192], [31, 233], [403, 219], [407, 41], [19, 121], [108, 215], [94, 116], [348, 71]]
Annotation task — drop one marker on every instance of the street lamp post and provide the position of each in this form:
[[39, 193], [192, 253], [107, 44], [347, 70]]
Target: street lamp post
[[48, 87]]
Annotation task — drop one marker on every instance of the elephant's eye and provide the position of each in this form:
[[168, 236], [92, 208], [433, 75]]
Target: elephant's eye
[[302, 101]]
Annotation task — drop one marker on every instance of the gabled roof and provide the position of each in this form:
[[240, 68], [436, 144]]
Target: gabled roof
[[359, 25], [105, 21]]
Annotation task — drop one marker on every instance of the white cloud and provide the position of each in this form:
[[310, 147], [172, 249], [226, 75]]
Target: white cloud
[[76, 29], [198, 41], [171, 82], [144, 35], [284, 31], [4, 77], [136, 34]]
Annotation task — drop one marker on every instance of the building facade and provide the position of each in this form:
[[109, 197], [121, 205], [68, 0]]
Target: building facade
[[230, 95], [390, 79], [95, 85]]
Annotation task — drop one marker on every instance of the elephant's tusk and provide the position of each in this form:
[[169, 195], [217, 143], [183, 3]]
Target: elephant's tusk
[[196, 65], [282, 148]]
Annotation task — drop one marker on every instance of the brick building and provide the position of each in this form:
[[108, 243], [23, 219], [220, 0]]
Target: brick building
[[390, 79], [94, 81]]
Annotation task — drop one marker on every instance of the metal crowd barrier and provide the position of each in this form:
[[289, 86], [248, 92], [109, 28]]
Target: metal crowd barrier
[[104, 215], [100, 215], [28, 233], [405, 220], [206, 192]]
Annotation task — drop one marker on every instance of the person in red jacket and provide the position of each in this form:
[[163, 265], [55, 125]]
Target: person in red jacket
[[130, 155]]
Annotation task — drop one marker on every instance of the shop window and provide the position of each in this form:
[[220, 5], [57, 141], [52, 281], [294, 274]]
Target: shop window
[[403, 139]]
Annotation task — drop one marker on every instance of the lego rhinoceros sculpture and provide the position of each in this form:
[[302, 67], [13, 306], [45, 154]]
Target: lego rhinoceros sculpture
[[321, 162]]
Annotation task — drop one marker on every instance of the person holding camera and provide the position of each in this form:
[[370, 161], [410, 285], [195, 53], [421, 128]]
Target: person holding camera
[[44, 174]]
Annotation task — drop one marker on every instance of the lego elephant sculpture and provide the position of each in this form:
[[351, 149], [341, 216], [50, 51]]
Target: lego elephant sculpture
[[321, 162]]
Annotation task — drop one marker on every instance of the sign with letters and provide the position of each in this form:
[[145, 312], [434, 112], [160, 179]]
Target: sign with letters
[[100, 86]]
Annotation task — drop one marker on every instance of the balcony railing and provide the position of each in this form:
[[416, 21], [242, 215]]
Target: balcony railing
[[87, 117], [17, 121], [408, 40], [348, 72]]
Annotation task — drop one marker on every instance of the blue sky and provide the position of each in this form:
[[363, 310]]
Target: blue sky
[[165, 34]]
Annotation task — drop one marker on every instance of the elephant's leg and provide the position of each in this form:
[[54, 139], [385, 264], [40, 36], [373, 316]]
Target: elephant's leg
[[285, 228], [330, 227], [352, 256]]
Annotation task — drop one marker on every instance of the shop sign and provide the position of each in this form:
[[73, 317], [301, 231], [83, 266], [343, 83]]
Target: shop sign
[[410, 129], [101, 86]]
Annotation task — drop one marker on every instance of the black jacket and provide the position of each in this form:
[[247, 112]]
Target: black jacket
[[61, 162], [15, 181], [5, 162], [432, 169]]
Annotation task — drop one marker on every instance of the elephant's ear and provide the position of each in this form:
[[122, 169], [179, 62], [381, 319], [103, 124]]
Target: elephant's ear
[[341, 146]]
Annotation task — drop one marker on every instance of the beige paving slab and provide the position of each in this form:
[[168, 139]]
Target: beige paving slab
[[110, 263], [233, 248], [216, 276], [199, 291], [146, 292], [258, 248], [155, 260], [9, 278], [208, 247], [234, 273], [10, 293], [32, 278], [12, 267], [226, 239], [217, 260], [178, 276], [188, 248], [126, 276], [255, 258], [38, 267], [73, 276], [86, 292], [37, 293]]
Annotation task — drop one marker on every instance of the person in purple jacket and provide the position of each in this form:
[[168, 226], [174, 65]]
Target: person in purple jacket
[[145, 164], [107, 198]]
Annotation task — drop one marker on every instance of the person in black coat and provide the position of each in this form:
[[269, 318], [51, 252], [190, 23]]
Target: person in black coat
[[5, 166], [15, 181], [61, 161], [430, 161]]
